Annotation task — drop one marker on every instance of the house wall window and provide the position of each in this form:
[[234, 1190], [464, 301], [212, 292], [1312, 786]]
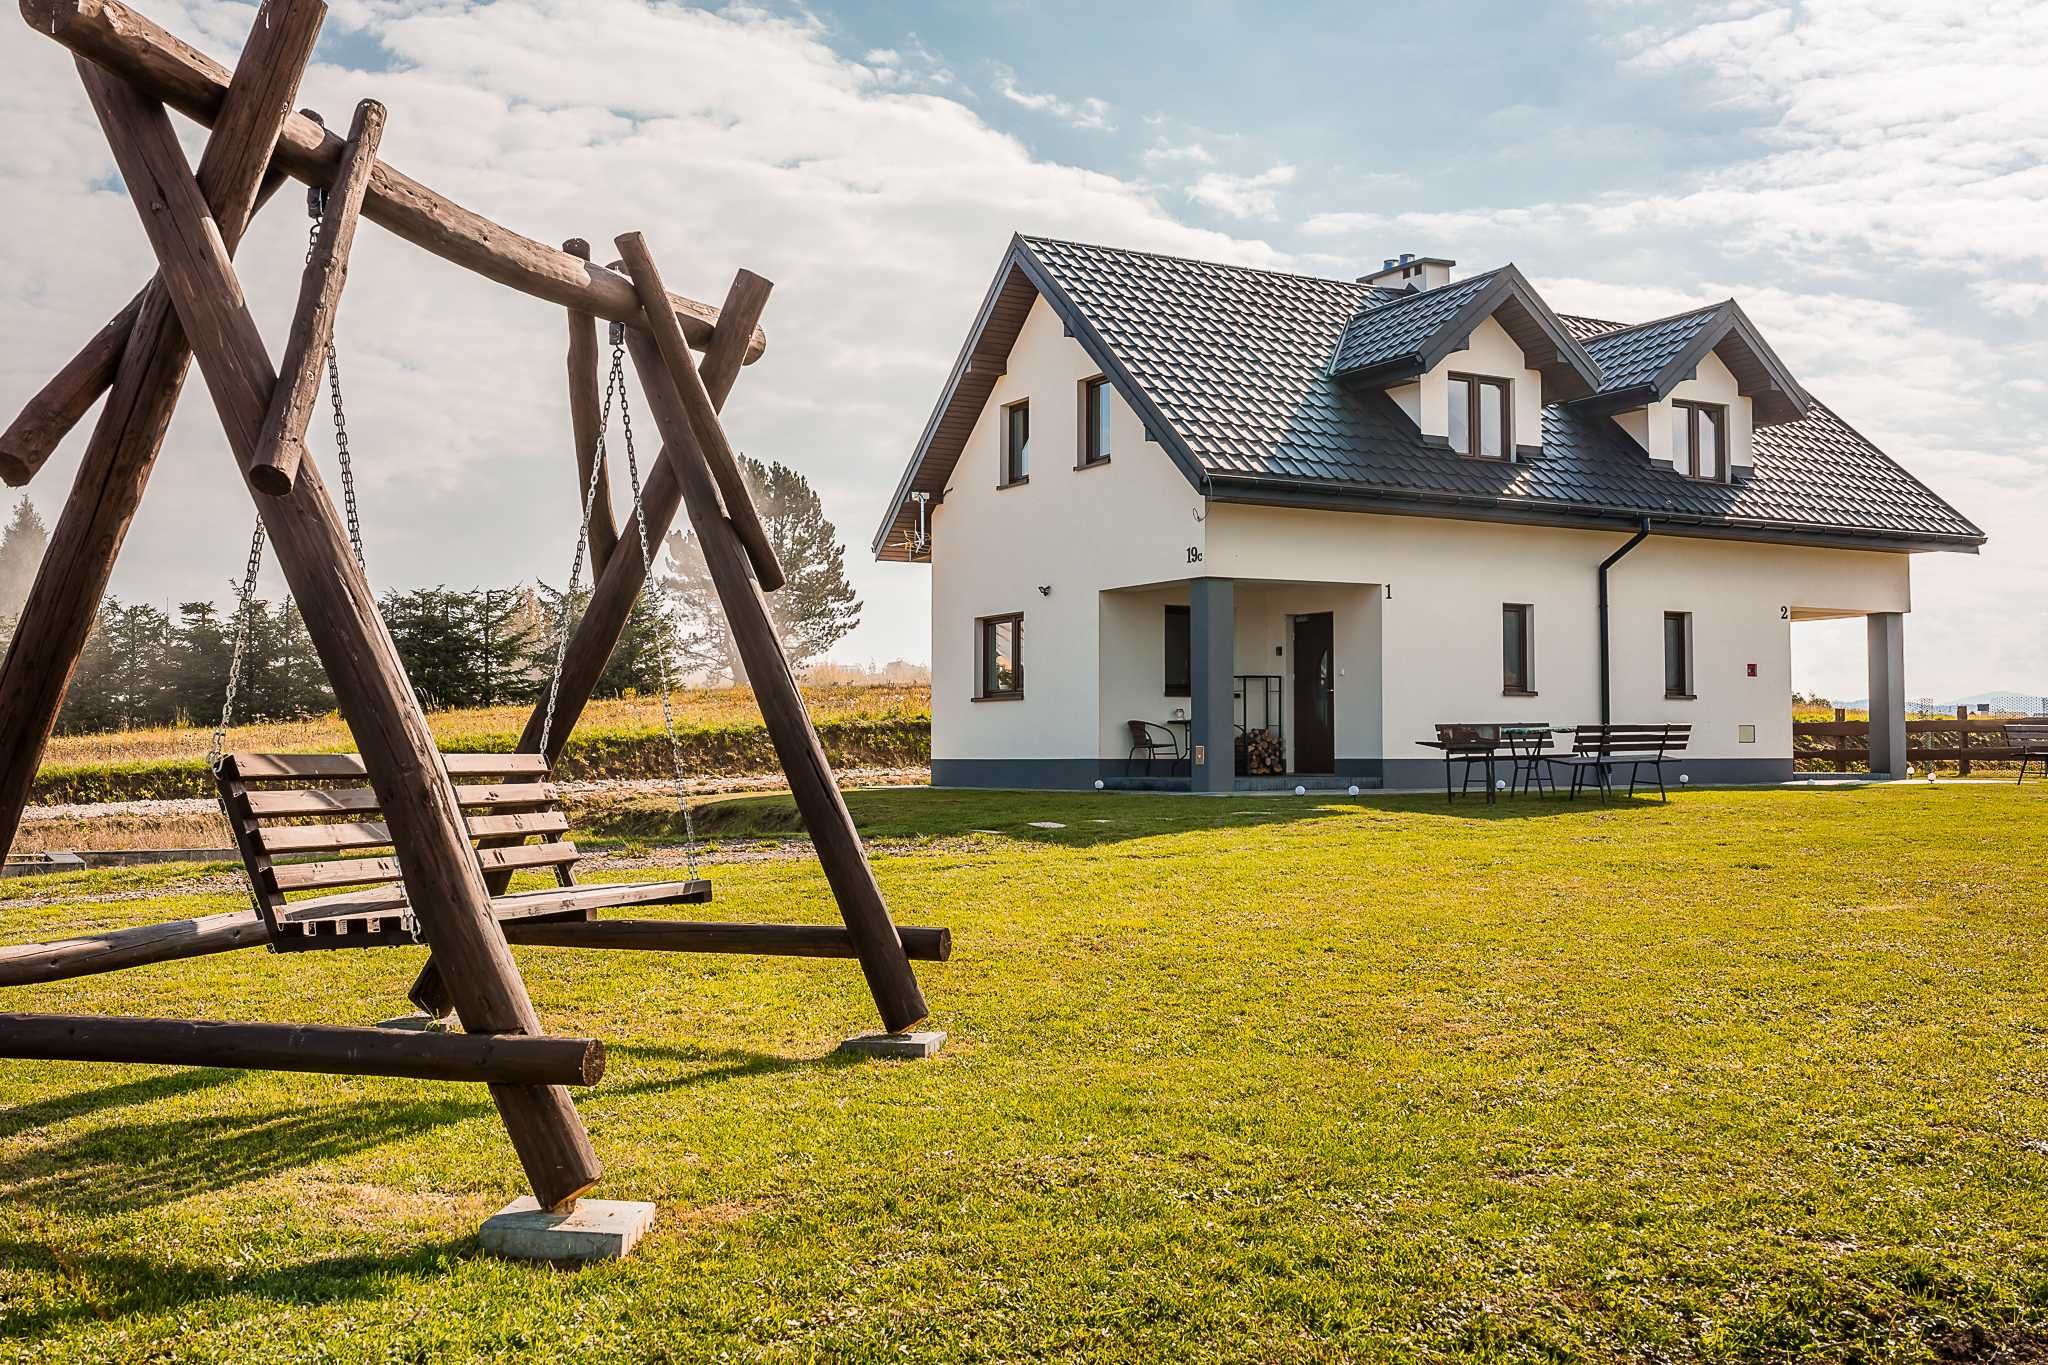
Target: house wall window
[[1678, 655], [1179, 653], [1699, 440], [999, 661], [1095, 407], [1016, 443], [1517, 649], [1482, 425]]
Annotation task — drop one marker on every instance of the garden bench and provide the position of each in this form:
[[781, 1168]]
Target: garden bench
[[2031, 742], [1597, 750]]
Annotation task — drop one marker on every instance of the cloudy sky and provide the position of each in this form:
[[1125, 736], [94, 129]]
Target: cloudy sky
[[1870, 179]]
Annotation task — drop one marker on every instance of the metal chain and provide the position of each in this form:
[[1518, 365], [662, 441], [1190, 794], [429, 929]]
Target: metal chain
[[668, 718], [245, 603], [615, 386], [604, 422], [245, 597], [341, 451]]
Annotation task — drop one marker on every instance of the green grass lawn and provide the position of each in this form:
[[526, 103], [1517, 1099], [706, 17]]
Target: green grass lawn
[[1752, 1075]]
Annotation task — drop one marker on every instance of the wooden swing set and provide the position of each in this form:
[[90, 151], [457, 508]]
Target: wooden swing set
[[399, 844]]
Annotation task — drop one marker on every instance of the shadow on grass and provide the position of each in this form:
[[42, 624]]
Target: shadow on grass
[[137, 1163], [58, 1108], [111, 1286], [1071, 819], [709, 1066]]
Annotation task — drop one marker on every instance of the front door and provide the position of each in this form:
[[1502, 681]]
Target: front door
[[1315, 676]]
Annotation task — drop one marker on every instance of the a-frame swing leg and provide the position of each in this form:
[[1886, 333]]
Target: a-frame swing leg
[[115, 468], [688, 426], [442, 879]]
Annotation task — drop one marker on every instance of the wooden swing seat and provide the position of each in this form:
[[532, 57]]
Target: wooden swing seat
[[286, 809]]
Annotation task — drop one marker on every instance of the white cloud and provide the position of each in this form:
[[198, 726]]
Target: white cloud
[[1905, 128], [1168, 154], [2020, 298], [732, 138], [1089, 112], [1243, 196]]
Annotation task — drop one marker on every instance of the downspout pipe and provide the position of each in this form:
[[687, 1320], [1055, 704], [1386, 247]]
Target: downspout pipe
[[1606, 654]]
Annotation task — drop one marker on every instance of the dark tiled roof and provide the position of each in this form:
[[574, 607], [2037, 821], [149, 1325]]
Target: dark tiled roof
[[1382, 331], [1231, 368], [1628, 356]]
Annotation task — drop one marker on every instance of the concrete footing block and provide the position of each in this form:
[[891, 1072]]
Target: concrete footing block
[[591, 1230], [903, 1046]]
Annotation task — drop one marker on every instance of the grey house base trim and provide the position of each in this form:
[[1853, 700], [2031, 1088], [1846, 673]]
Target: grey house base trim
[[1081, 774], [1044, 774]]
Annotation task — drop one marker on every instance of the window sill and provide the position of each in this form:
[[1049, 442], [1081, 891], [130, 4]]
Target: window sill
[[1093, 464], [1516, 692], [1680, 696], [1001, 696], [1014, 483]]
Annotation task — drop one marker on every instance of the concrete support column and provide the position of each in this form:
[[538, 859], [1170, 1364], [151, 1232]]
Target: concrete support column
[[1212, 659], [1887, 693]]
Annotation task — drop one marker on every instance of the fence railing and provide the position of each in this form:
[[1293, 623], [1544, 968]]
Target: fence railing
[[1963, 740]]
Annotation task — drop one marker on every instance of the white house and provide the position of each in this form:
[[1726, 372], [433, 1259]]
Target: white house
[[1223, 500]]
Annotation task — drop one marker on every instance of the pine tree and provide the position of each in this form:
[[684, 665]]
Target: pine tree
[[137, 639], [90, 703], [435, 639], [505, 624], [21, 553], [302, 679], [199, 663], [650, 633], [812, 612]]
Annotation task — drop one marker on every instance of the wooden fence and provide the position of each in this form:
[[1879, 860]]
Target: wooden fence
[[1962, 740]]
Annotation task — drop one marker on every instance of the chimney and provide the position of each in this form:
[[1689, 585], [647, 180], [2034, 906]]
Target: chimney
[[1411, 272]]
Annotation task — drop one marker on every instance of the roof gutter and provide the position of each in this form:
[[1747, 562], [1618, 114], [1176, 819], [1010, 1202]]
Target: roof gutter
[[1352, 497], [1606, 671]]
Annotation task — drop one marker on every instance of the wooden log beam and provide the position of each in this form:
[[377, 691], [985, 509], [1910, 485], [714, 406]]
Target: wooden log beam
[[890, 979], [495, 1059], [283, 443], [586, 417], [118, 459], [27, 964], [117, 38], [696, 936], [604, 619], [440, 869], [47, 418], [702, 414], [611, 599]]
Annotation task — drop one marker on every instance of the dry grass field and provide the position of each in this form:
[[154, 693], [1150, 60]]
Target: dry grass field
[[496, 726]]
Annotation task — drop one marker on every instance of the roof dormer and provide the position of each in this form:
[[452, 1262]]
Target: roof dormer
[[1646, 363], [1388, 343]]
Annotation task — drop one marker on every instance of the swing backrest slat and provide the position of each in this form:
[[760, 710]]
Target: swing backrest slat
[[287, 810]]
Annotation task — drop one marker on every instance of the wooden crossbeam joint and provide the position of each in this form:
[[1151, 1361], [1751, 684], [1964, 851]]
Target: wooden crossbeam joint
[[116, 38], [704, 427]]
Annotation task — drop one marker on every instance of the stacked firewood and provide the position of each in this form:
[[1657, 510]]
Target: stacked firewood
[[1264, 753]]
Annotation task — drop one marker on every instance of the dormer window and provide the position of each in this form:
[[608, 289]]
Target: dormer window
[[1482, 423], [1699, 440]]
